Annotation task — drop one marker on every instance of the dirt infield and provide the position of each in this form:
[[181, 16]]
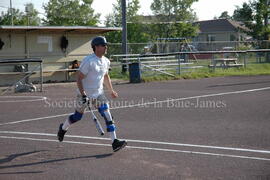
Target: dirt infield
[[216, 128]]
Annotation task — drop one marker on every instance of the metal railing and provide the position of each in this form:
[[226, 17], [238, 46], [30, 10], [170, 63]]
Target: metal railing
[[166, 47], [179, 62]]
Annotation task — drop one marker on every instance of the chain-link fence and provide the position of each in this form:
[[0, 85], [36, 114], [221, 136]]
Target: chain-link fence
[[168, 47], [228, 60]]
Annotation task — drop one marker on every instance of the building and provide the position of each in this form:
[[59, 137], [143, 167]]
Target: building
[[219, 33], [58, 46], [212, 34]]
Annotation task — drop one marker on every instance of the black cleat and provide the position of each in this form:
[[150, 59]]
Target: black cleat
[[61, 133], [117, 145]]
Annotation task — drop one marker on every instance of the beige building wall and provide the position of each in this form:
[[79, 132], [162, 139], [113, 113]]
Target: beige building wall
[[14, 45], [221, 39], [46, 46]]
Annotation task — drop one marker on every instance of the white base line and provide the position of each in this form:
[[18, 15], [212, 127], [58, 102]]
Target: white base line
[[149, 103], [34, 119], [37, 98], [141, 141], [144, 148]]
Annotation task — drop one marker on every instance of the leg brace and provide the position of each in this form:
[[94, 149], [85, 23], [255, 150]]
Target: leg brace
[[75, 117], [105, 113]]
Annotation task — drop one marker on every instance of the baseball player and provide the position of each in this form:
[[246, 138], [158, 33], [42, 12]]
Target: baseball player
[[93, 72]]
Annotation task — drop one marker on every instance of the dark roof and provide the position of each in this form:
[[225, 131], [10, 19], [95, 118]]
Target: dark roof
[[220, 25], [59, 29]]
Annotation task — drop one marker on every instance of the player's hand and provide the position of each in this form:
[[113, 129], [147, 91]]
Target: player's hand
[[114, 94], [85, 99]]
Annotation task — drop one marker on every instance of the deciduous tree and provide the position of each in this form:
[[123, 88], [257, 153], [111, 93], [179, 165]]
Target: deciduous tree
[[70, 12]]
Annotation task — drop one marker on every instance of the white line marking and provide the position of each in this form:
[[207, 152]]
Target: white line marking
[[37, 98], [201, 153], [146, 142], [34, 119], [149, 103], [194, 97], [145, 148], [53, 140]]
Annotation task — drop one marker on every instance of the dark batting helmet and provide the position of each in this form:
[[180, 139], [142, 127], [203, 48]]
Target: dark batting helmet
[[99, 40]]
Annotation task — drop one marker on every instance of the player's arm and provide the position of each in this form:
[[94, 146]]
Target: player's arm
[[108, 84], [80, 77]]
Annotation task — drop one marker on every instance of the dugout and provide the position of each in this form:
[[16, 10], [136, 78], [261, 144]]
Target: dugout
[[57, 46], [21, 69]]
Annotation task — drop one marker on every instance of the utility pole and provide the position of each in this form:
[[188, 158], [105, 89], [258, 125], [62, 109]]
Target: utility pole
[[124, 34], [266, 16], [266, 35], [28, 11], [11, 12]]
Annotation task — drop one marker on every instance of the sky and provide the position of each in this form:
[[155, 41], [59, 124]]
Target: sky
[[205, 9]]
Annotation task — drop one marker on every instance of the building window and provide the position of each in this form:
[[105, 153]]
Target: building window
[[232, 37], [211, 38]]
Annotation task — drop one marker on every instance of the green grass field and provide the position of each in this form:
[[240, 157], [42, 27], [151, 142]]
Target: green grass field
[[252, 68]]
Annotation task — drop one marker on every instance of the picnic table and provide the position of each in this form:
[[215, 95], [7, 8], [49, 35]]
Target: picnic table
[[225, 63]]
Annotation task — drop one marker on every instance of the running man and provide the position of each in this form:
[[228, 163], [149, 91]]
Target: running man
[[93, 72]]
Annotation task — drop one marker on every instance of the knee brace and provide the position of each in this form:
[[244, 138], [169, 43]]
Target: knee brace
[[75, 117], [110, 126], [105, 113], [102, 109]]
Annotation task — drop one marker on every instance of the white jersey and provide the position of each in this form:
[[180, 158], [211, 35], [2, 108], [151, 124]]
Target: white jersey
[[94, 69]]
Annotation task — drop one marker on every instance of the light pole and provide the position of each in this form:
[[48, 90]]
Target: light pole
[[28, 11], [11, 12], [124, 33]]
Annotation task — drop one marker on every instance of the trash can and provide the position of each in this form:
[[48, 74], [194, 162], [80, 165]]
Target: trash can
[[134, 73]]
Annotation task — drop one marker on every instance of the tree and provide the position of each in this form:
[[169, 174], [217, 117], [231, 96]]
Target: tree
[[21, 18], [135, 31], [243, 14], [262, 9], [262, 27], [173, 10], [115, 18], [5, 18], [255, 16], [70, 12], [169, 11], [225, 15]]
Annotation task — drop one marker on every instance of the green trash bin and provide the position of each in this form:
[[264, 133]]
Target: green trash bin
[[134, 73]]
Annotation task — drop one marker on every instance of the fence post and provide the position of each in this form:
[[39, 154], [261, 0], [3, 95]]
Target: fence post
[[245, 60], [124, 65], [179, 64], [41, 75]]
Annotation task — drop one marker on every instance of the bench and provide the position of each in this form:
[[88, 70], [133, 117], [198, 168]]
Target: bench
[[17, 73], [65, 70], [227, 66]]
